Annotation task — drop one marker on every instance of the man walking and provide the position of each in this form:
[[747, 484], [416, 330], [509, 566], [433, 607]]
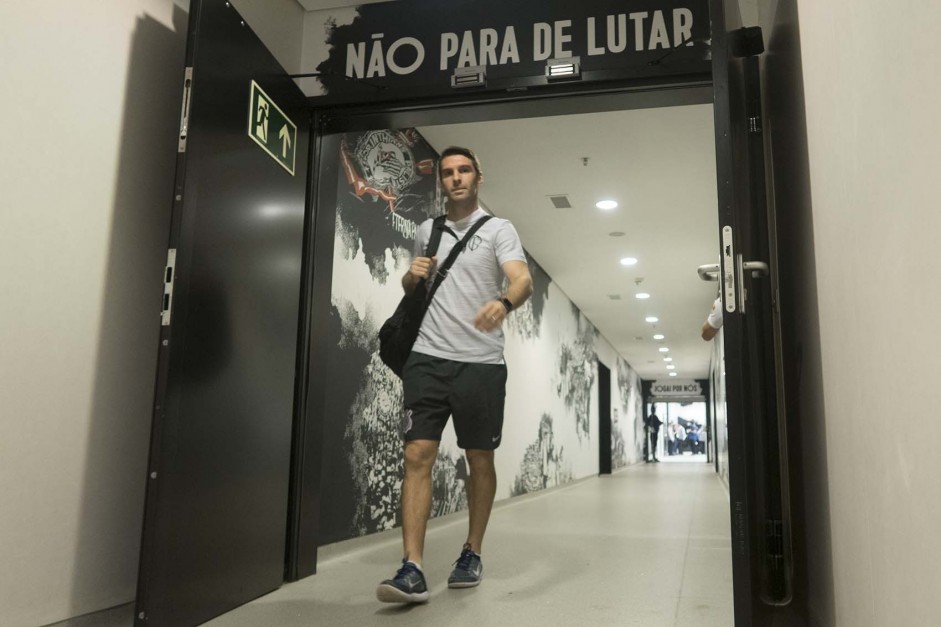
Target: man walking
[[653, 423], [456, 369]]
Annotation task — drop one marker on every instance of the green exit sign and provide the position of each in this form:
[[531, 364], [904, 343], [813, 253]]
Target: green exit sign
[[272, 129]]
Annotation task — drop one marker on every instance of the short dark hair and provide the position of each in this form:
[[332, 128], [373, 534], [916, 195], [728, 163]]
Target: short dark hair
[[464, 152]]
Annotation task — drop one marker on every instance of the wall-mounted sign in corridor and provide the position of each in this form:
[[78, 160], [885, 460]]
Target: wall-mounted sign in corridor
[[271, 128], [412, 47], [678, 388]]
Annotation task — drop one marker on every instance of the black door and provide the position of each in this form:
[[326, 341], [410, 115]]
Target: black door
[[604, 419], [217, 487], [757, 461]]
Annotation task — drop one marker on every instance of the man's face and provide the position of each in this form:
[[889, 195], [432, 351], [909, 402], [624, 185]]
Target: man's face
[[459, 178]]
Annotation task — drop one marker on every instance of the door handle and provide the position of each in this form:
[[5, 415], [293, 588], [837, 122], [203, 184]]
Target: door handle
[[708, 272], [758, 268]]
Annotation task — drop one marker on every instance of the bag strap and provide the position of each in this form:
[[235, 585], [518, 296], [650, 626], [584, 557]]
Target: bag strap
[[437, 226], [442, 272]]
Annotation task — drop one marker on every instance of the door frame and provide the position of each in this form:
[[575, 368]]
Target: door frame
[[605, 461], [573, 99]]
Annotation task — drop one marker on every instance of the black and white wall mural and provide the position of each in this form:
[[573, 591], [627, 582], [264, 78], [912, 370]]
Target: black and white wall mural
[[387, 186]]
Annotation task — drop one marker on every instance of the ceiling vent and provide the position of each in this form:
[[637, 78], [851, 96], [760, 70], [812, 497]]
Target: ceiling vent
[[614, 296], [560, 201]]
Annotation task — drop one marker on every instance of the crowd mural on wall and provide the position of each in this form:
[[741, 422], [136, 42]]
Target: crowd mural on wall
[[632, 405], [386, 187]]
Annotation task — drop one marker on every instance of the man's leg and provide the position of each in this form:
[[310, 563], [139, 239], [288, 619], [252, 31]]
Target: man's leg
[[481, 488], [420, 457]]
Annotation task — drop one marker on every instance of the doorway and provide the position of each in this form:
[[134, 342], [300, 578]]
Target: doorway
[[652, 152], [685, 436], [544, 459]]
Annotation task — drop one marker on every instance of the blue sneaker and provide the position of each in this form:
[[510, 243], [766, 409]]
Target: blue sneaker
[[408, 586], [468, 571]]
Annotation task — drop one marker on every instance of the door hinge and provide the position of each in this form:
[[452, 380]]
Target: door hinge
[[774, 554], [774, 536], [754, 125], [169, 276], [185, 111]]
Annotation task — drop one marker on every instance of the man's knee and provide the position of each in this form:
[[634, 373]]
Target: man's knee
[[480, 460], [420, 455]]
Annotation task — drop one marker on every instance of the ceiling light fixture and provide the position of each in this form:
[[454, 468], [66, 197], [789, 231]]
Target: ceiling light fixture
[[642, 295], [671, 367], [628, 261], [472, 76], [664, 349], [667, 359], [651, 319], [607, 205], [672, 374], [568, 68], [659, 336]]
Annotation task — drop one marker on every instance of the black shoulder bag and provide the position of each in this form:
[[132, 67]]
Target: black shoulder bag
[[398, 334]]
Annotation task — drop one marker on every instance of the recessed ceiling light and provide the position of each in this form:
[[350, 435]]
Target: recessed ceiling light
[[671, 367], [664, 349], [667, 359], [651, 319], [628, 261], [659, 336], [617, 234], [607, 205], [672, 374], [641, 295]]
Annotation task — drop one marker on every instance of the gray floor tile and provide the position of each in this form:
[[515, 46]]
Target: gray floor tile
[[647, 546]]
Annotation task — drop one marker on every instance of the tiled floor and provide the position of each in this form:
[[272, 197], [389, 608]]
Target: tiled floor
[[647, 546]]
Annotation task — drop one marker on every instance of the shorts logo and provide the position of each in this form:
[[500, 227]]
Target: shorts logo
[[407, 421]]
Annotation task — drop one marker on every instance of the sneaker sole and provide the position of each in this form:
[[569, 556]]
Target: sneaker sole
[[463, 584], [391, 594]]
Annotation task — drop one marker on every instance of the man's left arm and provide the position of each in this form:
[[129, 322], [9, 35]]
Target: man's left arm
[[520, 288]]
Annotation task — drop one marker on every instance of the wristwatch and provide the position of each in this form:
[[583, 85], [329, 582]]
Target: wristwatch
[[506, 303]]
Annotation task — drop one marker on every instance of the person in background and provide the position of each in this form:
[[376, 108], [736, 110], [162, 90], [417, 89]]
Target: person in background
[[692, 436], [680, 438], [710, 328], [653, 434]]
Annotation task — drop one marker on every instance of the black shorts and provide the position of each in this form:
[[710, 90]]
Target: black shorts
[[472, 393]]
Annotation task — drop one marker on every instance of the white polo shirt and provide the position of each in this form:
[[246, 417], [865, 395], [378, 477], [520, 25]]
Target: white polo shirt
[[476, 277]]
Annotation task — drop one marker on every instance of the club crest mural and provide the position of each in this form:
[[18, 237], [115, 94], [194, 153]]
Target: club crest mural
[[387, 186]]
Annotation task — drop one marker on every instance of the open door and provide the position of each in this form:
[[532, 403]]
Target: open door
[[757, 458], [604, 420], [215, 521]]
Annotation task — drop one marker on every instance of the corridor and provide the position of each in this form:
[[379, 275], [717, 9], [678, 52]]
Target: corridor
[[647, 546]]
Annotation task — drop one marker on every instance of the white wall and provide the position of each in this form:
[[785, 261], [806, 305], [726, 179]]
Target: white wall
[[90, 110], [872, 92], [280, 25], [749, 10]]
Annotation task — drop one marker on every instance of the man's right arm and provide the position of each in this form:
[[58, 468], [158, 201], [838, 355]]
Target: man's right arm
[[710, 328], [420, 269], [708, 331]]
